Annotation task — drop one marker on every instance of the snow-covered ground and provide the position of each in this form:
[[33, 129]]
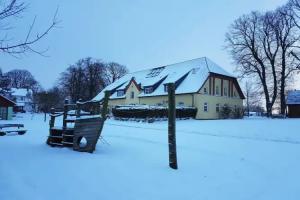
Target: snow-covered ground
[[222, 159]]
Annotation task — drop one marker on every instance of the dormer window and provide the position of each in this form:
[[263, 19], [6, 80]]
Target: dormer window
[[120, 93], [148, 90], [155, 72]]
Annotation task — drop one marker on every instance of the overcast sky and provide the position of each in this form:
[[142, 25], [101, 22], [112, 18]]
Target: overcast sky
[[139, 34]]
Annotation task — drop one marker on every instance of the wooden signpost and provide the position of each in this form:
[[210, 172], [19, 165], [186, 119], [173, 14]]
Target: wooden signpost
[[172, 126]]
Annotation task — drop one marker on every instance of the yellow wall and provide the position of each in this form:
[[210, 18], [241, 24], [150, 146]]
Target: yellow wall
[[129, 100], [115, 102], [212, 101]]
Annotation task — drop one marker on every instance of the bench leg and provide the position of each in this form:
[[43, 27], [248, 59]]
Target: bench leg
[[21, 132], [2, 133]]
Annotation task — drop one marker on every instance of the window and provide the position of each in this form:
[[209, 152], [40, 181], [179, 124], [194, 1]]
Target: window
[[217, 90], [181, 104], [120, 93], [155, 72], [205, 107], [225, 91], [205, 90], [132, 95], [148, 90], [234, 94], [217, 108]]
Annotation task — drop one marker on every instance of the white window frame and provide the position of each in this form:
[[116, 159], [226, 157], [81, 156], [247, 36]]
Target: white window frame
[[148, 90], [181, 103], [205, 107], [120, 93]]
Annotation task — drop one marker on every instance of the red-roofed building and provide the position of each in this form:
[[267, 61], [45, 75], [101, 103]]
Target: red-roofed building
[[6, 108]]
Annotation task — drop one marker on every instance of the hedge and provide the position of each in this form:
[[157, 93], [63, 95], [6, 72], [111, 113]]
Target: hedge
[[152, 112]]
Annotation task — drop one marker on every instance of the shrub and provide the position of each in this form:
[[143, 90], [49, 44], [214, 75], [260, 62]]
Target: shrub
[[143, 111], [238, 113], [227, 112]]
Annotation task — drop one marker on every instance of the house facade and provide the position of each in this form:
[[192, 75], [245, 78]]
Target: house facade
[[199, 83], [293, 104], [23, 99], [6, 108]]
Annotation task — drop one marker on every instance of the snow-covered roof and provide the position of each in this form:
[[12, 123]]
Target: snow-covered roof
[[20, 91], [293, 97], [192, 74]]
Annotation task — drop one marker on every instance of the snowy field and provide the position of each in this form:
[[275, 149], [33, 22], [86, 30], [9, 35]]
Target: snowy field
[[250, 159]]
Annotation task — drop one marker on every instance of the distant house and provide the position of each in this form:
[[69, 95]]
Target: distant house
[[23, 98], [293, 104], [6, 108], [199, 83]]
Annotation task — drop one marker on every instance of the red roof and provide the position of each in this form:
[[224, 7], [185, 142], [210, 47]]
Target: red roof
[[5, 102]]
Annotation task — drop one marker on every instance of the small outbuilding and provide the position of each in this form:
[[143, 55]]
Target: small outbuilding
[[293, 104], [6, 108]]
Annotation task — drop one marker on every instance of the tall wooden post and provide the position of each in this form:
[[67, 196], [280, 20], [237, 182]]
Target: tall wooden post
[[105, 105], [78, 108], [52, 118], [172, 126], [65, 113]]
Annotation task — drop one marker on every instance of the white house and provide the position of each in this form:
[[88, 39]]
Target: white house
[[23, 99]]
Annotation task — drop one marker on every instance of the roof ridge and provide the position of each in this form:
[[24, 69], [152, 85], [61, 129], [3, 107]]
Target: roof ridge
[[204, 57], [207, 64]]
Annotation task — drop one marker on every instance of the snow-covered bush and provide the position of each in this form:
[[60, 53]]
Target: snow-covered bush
[[227, 112], [145, 111], [237, 113]]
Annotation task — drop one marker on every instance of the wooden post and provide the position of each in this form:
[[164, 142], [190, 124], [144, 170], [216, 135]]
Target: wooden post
[[65, 113], [78, 108], [105, 105], [52, 118], [172, 126]]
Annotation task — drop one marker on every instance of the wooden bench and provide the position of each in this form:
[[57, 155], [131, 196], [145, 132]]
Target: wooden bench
[[16, 128]]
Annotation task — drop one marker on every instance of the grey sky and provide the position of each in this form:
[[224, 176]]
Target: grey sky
[[139, 34]]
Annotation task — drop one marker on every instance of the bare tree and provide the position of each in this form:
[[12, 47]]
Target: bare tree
[[84, 80], [254, 49], [94, 73], [287, 34], [10, 9], [21, 79], [114, 71]]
